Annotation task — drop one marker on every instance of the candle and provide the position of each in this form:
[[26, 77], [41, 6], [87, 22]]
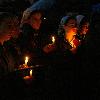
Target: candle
[[26, 60], [53, 39], [31, 72]]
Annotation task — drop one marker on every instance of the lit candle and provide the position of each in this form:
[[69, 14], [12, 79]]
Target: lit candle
[[53, 39], [26, 60], [31, 72], [44, 17]]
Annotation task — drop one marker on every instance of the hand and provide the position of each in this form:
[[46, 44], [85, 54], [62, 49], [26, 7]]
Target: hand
[[49, 48], [76, 42]]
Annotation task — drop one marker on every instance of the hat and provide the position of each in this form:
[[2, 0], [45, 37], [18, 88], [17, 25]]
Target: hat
[[63, 20], [79, 19]]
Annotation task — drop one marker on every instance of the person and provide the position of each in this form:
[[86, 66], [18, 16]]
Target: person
[[30, 37], [82, 55], [83, 32], [62, 51], [70, 28], [61, 56], [9, 31], [66, 33], [83, 23], [9, 26]]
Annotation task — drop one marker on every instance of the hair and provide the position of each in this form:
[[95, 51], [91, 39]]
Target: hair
[[83, 21]]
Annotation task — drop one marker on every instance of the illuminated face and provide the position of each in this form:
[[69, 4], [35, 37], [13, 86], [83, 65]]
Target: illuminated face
[[70, 29], [85, 28], [36, 20]]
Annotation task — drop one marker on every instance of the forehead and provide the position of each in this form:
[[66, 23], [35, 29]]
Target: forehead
[[71, 21], [85, 24], [37, 15]]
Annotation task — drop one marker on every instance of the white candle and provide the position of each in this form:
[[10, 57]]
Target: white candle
[[26, 60], [31, 72], [53, 39]]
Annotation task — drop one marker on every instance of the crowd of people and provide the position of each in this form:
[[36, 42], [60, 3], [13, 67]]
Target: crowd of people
[[30, 38], [68, 50]]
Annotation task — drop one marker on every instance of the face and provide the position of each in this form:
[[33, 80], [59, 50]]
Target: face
[[9, 28], [70, 29], [71, 26], [36, 20], [85, 28]]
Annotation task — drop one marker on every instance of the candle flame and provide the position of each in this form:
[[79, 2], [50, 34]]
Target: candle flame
[[31, 72], [53, 39], [26, 60]]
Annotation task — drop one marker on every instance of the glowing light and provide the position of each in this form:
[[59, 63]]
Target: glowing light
[[31, 72], [26, 60], [44, 17], [53, 39]]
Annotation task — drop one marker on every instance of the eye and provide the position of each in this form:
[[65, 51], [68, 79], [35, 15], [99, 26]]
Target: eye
[[84, 26]]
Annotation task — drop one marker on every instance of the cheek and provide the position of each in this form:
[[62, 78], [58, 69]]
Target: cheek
[[68, 29], [85, 30], [36, 26]]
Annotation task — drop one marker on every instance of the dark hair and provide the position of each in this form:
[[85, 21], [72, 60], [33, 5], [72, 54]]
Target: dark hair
[[84, 20]]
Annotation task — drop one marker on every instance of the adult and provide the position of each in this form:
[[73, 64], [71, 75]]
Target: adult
[[67, 31], [30, 37], [9, 31]]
